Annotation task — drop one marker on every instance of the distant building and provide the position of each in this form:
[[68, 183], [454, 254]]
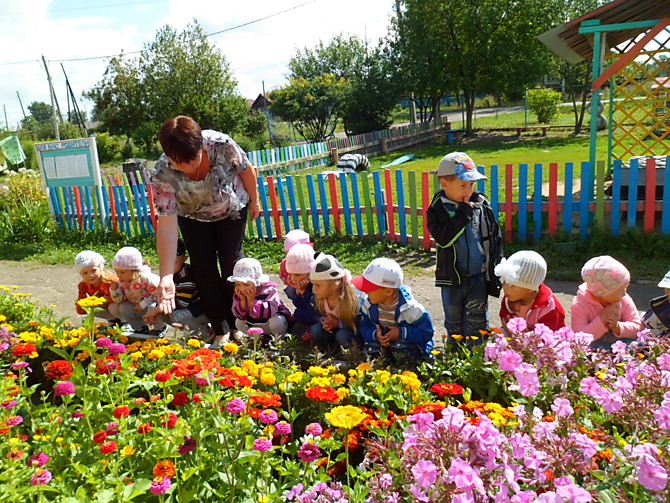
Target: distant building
[[260, 102]]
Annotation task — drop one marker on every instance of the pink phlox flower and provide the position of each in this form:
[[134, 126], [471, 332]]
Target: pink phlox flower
[[562, 407], [665, 378], [590, 387], [663, 361], [583, 339], [570, 492], [465, 497], [632, 371], [610, 401], [662, 416], [502, 496], [422, 421], [535, 459], [524, 497], [491, 352], [394, 497], [644, 335], [622, 384], [546, 334], [419, 494], [640, 450], [294, 492], [563, 352], [651, 475], [411, 438], [425, 473], [549, 497], [545, 429], [582, 442], [526, 376], [452, 417], [520, 442], [464, 476], [509, 360], [517, 325], [565, 334], [666, 399], [385, 482]]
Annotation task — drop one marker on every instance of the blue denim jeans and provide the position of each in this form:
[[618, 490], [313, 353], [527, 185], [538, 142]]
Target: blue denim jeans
[[331, 341], [466, 309]]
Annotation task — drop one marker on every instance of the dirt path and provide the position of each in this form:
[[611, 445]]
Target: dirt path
[[56, 286]]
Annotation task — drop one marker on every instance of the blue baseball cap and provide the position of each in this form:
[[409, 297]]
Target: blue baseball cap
[[461, 165]]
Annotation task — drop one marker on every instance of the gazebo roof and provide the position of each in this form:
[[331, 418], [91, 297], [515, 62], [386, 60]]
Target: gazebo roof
[[566, 41]]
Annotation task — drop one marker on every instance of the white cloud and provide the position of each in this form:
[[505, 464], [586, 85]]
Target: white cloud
[[257, 52]]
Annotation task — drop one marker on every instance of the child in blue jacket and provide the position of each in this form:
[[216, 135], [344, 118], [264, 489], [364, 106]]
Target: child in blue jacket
[[395, 327]]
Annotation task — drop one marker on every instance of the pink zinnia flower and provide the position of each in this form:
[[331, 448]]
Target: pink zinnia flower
[[235, 406], [14, 420], [8, 404], [160, 485], [255, 331], [283, 428], [268, 416], [262, 444], [313, 429], [309, 452], [188, 446], [116, 348], [64, 388], [41, 477], [40, 459], [103, 342]]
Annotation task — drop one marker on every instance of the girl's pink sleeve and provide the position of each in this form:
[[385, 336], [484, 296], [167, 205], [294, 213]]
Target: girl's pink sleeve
[[581, 322], [630, 323]]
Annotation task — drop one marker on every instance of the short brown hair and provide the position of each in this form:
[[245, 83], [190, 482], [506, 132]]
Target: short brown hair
[[181, 138], [449, 178]]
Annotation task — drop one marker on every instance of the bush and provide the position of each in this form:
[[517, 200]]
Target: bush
[[109, 146], [544, 103], [25, 216]]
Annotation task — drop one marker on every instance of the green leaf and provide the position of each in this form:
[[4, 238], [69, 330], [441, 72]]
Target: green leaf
[[105, 496], [188, 473], [135, 489]]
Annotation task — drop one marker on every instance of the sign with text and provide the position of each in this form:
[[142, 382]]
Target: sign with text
[[69, 163]]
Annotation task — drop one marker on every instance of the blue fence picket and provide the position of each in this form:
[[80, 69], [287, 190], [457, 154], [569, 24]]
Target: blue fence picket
[[88, 212], [567, 199], [323, 195], [523, 201], [311, 190], [379, 201], [292, 201], [353, 176], [480, 183], [140, 209], [346, 207], [402, 217], [585, 194], [108, 211], [632, 194], [665, 215], [537, 202], [616, 197], [262, 193], [494, 196]]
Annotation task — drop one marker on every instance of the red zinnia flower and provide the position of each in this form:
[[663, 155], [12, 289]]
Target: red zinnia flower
[[99, 437], [24, 350], [171, 420], [59, 369], [121, 411], [165, 468], [163, 375], [144, 428], [323, 394], [255, 413], [444, 388], [180, 399], [267, 400], [184, 368], [108, 447]]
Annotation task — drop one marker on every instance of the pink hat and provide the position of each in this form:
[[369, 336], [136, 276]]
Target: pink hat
[[296, 236], [300, 259], [604, 275]]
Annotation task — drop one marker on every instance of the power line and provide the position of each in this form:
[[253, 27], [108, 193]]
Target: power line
[[236, 27]]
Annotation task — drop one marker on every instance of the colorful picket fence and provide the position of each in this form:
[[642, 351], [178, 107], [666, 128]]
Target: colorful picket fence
[[391, 204], [298, 157]]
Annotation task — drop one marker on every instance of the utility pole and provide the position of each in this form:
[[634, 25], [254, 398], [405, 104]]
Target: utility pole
[[52, 94], [20, 103], [5, 111], [267, 113]]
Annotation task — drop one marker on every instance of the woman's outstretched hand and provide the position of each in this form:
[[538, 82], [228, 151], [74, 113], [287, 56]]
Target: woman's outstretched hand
[[165, 293]]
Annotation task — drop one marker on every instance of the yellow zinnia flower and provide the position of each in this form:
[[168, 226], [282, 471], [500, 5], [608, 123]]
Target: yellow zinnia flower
[[346, 416], [128, 450], [194, 343], [231, 347], [91, 301]]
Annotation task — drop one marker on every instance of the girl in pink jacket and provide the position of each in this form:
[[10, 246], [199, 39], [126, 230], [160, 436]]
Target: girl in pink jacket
[[602, 307]]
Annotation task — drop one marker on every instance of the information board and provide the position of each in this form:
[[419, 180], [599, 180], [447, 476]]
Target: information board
[[69, 163]]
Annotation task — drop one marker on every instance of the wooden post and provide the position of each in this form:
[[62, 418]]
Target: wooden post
[[334, 156], [384, 145]]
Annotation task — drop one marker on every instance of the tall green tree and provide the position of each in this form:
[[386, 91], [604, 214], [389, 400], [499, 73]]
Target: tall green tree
[[477, 47], [40, 111], [313, 105], [177, 73], [370, 71]]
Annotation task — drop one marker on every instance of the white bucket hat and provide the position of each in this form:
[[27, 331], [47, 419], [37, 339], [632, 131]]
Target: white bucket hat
[[300, 259], [88, 258], [129, 258], [526, 269], [249, 269]]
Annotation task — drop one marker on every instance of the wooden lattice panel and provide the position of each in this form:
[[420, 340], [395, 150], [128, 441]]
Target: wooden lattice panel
[[642, 106]]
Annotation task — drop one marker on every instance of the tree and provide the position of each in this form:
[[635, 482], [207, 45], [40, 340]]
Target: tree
[[479, 46], [40, 111], [372, 91], [312, 105], [176, 74]]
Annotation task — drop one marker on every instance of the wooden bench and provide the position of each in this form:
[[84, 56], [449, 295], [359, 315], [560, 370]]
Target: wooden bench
[[519, 130]]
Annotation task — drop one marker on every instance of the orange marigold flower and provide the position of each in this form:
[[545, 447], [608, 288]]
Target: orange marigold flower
[[606, 455], [165, 468], [323, 394]]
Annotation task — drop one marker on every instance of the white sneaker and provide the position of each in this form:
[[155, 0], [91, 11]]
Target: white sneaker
[[218, 341]]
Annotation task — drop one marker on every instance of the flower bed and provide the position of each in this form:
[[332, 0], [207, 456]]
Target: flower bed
[[531, 416]]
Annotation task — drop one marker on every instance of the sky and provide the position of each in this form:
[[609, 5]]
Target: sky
[[75, 33]]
